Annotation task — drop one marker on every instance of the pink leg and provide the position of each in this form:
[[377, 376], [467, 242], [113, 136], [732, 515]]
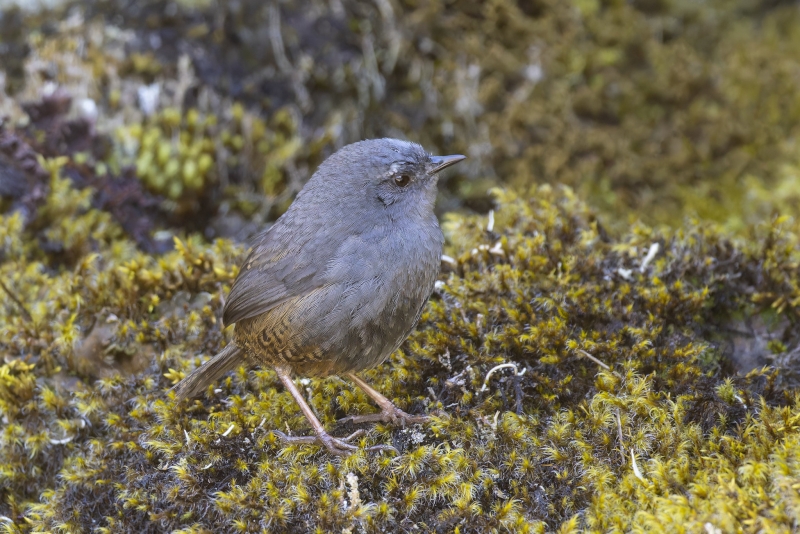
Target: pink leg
[[337, 446], [389, 412]]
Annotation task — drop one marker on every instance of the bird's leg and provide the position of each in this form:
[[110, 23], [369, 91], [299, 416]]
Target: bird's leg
[[389, 412], [337, 446]]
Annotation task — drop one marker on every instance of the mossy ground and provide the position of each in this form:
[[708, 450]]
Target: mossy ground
[[584, 373], [664, 438]]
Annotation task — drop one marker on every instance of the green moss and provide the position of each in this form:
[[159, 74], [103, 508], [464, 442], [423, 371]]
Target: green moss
[[586, 368], [660, 438], [179, 155], [658, 110]]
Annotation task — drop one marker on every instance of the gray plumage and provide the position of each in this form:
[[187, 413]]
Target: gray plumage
[[338, 282]]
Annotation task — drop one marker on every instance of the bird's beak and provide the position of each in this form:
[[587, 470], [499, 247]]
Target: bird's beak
[[442, 162]]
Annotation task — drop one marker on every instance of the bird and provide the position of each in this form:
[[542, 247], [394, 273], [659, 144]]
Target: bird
[[339, 281]]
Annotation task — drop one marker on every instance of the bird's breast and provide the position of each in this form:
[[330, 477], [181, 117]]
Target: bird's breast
[[387, 293]]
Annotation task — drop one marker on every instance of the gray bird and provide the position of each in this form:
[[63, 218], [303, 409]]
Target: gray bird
[[340, 279]]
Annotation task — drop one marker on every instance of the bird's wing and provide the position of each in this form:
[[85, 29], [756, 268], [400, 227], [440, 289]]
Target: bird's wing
[[279, 267]]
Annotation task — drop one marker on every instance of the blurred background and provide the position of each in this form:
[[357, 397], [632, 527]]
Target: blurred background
[[208, 116]]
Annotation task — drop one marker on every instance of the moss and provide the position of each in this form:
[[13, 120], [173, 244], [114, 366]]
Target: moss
[[585, 372], [652, 435], [651, 109], [180, 156]]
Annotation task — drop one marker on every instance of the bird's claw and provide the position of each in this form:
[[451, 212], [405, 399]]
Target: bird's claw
[[393, 415], [336, 446]]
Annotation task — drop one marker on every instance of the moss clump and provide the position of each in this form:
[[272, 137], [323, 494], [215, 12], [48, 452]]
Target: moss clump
[[529, 434], [183, 155], [136, 125], [169, 164], [656, 110]]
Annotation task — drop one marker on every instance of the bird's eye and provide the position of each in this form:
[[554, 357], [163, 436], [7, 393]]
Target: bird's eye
[[402, 180]]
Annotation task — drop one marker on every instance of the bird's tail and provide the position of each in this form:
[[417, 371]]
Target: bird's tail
[[199, 379]]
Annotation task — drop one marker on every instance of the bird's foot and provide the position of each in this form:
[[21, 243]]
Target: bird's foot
[[390, 414], [336, 446]]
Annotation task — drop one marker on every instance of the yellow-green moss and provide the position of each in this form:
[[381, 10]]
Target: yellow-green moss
[[660, 440], [584, 372], [655, 110], [180, 155]]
